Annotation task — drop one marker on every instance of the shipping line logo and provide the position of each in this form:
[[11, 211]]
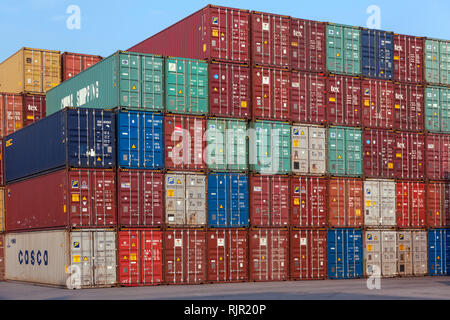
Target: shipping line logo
[[83, 96]]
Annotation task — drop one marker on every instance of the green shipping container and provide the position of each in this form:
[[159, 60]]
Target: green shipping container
[[437, 62], [270, 147], [226, 145], [129, 80], [344, 151], [343, 49], [186, 86], [437, 109]]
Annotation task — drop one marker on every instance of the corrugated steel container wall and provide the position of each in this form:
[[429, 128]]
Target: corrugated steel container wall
[[184, 142], [185, 256], [34, 108], [2, 257], [308, 149], [308, 254], [308, 98], [140, 140], [270, 93], [410, 204], [214, 33], [31, 71], [185, 200], [420, 252], [229, 90], [269, 201], [49, 257], [437, 56], [345, 249], [309, 202], [379, 203], [438, 204], [69, 138], [378, 104], [377, 54], [344, 100], [344, 151], [409, 160], [308, 45], [345, 203], [228, 200], [405, 253], [124, 79], [269, 254], [227, 255], [409, 107], [76, 198], [408, 59], [2, 162], [140, 257], [380, 253], [73, 63], [438, 156], [438, 252], [437, 109], [226, 145], [140, 198], [2, 210], [379, 153], [343, 49], [11, 113]]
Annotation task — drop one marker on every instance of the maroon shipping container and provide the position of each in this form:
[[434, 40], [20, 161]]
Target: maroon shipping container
[[270, 95], [408, 59], [308, 98], [2, 163], [213, 33], [227, 255], [184, 142], [379, 153], [409, 107], [270, 39], [378, 104], [73, 63], [438, 204], [2, 257], [184, 256], [33, 108], [269, 254], [344, 100], [345, 203], [229, 90], [140, 198], [269, 201], [75, 198], [309, 202], [410, 204], [308, 45], [308, 254], [140, 256], [438, 156], [410, 156]]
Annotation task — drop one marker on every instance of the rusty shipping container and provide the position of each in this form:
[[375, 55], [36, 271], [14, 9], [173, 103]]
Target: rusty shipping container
[[308, 149], [438, 204], [345, 203], [73, 63], [410, 204], [408, 59], [379, 153], [438, 156], [74, 198], [377, 104], [409, 107], [380, 204], [409, 160]]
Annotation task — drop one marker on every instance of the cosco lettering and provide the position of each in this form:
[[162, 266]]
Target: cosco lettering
[[33, 257]]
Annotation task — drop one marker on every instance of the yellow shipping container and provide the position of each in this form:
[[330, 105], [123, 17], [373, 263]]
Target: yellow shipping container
[[31, 71], [2, 210]]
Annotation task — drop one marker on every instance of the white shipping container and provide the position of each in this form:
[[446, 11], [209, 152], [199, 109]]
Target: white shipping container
[[380, 253], [308, 149], [404, 253], [379, 203], [420, 252]]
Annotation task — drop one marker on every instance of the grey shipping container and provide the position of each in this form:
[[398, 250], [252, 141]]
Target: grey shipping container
[[380, 253], [379, 203], [308, 149]]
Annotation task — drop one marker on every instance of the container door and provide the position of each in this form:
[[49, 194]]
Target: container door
[[174, 256], [217, 145], [260, 255], [404, 253], [217, 264], [300, 149], [105, 258], [420, 253], [129, 136], [194, 254], [130, 79], [152, 264], [195, 200], [153, 199], [279, 255], [372, 253], [33, 109], [13, 113], [237, 256], [388, 204], [238, 199], [175, 199], [236, 140], [372, 203], [51, 70], [152, 140], [336, 254], [129, 258], [152, 83], [389, 257], [82, 256], [82, 191], [104, 198], [33, 65], [217, 200]]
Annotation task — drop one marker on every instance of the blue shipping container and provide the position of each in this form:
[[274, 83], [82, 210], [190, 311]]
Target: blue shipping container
[[377, 54], [439, 252], [72, 137], [140, 140], [228, 200], [345, 254]]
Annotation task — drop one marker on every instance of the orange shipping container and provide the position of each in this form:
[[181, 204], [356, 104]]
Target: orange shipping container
[[345, 207]]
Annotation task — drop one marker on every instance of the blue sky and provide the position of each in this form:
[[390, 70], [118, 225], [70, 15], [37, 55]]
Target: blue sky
[[107, 26]]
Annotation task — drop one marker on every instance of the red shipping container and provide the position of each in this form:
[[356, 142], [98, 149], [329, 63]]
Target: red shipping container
[[308, 45], [308, 98], [270, 100], [408, 59], [227, 255], [344, 100], [2, 163], [309, 202], [75, 198], [438, 204], [410, 204], [2, 257], [184, 142], [438, 156], [213, 33], [140, 198], [184, 256], [410, 156], [269, 201], [33, 108], [308, 254], [73, 63], [378, 104], [269, 254], [409, 107], [140, 257], [379, 153], [229, 90], [345, 203], [270, 39], [11, 113]]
